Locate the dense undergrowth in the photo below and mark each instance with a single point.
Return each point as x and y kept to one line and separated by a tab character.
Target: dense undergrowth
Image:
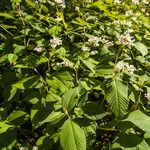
74	75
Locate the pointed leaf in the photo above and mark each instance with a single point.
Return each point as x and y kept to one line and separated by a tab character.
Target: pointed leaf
116	96
72	137
140	120
70	98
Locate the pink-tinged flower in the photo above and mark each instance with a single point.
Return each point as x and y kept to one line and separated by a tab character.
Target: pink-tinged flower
55	42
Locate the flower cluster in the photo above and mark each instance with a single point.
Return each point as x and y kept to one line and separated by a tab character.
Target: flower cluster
126	40
60	3
94	40
55	42
39	49
122	66
65	63
85	48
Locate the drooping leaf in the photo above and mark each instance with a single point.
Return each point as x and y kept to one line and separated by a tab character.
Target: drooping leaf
141	48
72	137
70	98
116	96
140	120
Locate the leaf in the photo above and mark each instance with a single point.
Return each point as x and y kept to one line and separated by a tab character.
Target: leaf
61	81
90	63
70	98
93	111
18	117
100	5
53	118
25	83
116	96
3	58
12	58
4	127
44	142
80	22
6	15
141	48
72	137
127	140
140	120
30	3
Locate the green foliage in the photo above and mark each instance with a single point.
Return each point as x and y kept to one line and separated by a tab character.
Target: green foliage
74	74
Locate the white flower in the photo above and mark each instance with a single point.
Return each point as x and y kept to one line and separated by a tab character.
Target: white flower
39	49
55	42
127	57
147	95
129	23
59	1
109	44
85	49
143	10
77	8
136	2
36	2
130	68
145	1
51	3
117	1
126	40
58	19
94	40
34	148
147	14
120	66
137	14
88	1
128	13
94	52
65	63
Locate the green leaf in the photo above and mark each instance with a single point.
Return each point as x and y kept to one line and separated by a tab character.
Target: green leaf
90	64
93	111
6	15
18	117
30	3
4	127
29	82
127	141
45	143
116	96
140	120
70	98
12	58
3	58
53	118
100	5
72	137
61	81
141	48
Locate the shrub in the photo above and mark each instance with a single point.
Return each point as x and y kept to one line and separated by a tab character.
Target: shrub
74	74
